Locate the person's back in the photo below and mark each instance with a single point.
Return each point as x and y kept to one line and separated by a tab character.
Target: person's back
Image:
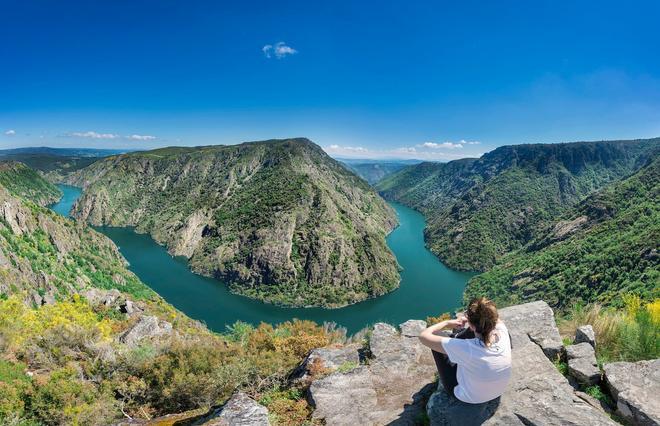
483	372
475	363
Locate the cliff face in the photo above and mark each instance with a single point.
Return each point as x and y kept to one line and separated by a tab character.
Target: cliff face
278	220
20	180
46	257
604	247
481	209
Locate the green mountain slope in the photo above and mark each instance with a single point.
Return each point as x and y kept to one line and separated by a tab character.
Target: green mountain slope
22	181
278	220
603	248
480	209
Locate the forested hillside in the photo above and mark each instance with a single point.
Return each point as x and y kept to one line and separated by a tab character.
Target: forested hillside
277	220
480	209
603	248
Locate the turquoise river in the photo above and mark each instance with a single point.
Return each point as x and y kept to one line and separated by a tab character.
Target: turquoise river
427	286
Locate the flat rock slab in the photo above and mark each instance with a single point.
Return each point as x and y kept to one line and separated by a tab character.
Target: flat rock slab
636	389
392	389
537	395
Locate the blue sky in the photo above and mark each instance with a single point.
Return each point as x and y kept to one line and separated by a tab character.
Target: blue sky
432	80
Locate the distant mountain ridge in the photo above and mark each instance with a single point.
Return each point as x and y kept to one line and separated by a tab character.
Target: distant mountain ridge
278	220
374	171
480	209
55	164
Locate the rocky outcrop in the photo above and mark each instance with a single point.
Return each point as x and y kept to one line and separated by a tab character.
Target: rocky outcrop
326	360
537	394
636	388
582	364
586	334
240	410
147	327
534	321
391	389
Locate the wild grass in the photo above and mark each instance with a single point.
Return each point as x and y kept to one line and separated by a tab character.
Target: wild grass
628	334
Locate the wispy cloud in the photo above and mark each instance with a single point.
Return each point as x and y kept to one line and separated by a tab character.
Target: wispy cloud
448	145
443	145
92	135
97	135
433	151
10	132
141	137
279	50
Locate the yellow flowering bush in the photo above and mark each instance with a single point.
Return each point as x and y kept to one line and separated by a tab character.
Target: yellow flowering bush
19	323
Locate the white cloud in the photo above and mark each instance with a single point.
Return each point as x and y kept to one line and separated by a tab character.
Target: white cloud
443	145
10	132
279	50
141	137
97	135
93	135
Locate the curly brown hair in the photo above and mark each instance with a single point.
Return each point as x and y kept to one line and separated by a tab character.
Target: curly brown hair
482	314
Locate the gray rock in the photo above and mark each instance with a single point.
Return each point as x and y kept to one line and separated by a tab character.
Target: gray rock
240	410
584	370
582	363
537	394
581	350
412	328
636	388
328	359
392	389
586	334
146	327
97	297
533	321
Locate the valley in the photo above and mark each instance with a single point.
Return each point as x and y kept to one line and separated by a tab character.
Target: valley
279	220
427	287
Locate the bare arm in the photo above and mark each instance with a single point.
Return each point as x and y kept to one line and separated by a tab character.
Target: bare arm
431	337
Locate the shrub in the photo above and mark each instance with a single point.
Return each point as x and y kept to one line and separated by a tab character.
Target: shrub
628	334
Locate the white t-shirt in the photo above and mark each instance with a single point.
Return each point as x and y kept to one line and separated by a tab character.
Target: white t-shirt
483	371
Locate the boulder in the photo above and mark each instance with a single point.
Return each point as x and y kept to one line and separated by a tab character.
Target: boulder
582	363
97	297
533	321
537	394
327	360
391	389
585	334
145	327
412	328
635	386
240	410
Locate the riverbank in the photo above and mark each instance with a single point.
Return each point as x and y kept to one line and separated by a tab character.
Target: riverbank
427	286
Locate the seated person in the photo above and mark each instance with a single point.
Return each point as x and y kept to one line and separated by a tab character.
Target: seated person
474	364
